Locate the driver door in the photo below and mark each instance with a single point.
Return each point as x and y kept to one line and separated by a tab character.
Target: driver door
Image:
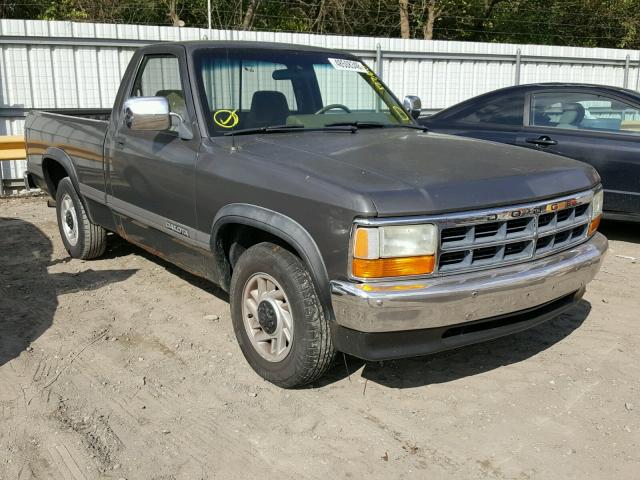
152	173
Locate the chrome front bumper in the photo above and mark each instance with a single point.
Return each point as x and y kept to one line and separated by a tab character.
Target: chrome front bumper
461	298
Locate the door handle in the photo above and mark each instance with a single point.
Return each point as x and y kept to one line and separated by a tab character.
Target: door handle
120	141
543	141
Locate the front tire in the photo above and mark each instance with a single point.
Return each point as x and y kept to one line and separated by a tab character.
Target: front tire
278	318
81	238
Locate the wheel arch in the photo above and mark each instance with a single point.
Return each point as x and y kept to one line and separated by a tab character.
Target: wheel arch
279	226
52	160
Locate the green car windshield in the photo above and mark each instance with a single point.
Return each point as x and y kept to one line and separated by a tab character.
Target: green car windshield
244	89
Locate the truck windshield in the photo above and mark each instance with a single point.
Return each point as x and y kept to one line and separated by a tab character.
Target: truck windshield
244	89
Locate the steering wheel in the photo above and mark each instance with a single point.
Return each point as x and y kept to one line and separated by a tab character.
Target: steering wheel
331	107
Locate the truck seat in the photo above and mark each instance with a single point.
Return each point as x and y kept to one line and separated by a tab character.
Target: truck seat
268	107
176	101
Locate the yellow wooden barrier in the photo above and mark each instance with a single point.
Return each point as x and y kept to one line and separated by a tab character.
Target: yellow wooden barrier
631	125
12	148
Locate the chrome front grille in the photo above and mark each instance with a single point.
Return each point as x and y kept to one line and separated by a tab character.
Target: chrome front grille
502	236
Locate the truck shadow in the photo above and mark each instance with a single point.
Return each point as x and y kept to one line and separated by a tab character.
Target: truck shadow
28	292
619	230
466	361
119	247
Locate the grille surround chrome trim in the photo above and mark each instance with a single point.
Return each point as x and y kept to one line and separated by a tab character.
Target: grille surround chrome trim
498	214
402	304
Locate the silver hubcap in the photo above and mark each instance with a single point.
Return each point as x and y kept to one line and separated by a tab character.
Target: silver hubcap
68	220
267	317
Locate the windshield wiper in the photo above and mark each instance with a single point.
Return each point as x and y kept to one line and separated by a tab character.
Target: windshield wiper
413	126
287	128
377	125
269	128
357	124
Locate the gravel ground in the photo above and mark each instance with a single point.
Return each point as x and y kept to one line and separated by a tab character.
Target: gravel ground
126	367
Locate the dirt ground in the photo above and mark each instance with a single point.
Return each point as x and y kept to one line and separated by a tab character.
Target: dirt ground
126	367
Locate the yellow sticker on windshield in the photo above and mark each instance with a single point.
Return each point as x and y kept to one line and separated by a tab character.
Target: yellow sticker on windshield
226	118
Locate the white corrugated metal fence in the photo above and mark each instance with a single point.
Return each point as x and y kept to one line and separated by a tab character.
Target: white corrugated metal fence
46	64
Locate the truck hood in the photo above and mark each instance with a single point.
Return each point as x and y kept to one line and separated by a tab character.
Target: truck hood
407	172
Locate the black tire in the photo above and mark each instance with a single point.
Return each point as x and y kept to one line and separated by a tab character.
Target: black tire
311	351
91	238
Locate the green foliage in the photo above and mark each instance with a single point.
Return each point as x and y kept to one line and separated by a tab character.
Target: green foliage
592	23
63	9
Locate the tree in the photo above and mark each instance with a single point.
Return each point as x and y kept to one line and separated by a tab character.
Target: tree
589	23
405	26
434	9
247	23
172	13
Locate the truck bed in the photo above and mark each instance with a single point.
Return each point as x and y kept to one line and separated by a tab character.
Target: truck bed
79	139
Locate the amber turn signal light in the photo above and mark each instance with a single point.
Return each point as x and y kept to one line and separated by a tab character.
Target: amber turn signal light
361	244
393	267
595	223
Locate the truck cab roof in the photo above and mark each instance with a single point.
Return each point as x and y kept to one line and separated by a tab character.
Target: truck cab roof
191	45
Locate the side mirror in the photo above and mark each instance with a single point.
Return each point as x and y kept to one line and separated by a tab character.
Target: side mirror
147	113
413	105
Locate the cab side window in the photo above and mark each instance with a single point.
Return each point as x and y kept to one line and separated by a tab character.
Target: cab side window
159	76
584	111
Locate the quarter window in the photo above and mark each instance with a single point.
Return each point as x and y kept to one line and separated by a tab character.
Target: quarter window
584	111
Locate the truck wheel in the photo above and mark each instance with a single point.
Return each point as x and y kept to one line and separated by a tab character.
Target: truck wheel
81	238
277	317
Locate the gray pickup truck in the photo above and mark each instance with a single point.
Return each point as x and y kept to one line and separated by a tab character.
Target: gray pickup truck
295	180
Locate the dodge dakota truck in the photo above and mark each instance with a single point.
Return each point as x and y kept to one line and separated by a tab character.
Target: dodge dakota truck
294	179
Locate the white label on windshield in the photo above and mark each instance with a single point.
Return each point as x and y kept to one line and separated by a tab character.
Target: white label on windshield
345	64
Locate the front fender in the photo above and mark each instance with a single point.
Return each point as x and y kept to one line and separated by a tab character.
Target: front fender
282	227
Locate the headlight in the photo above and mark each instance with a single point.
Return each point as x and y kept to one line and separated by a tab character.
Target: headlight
399	250
407	241
596	204
596	211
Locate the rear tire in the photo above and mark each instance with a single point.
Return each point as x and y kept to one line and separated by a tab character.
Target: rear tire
278	318
81	238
